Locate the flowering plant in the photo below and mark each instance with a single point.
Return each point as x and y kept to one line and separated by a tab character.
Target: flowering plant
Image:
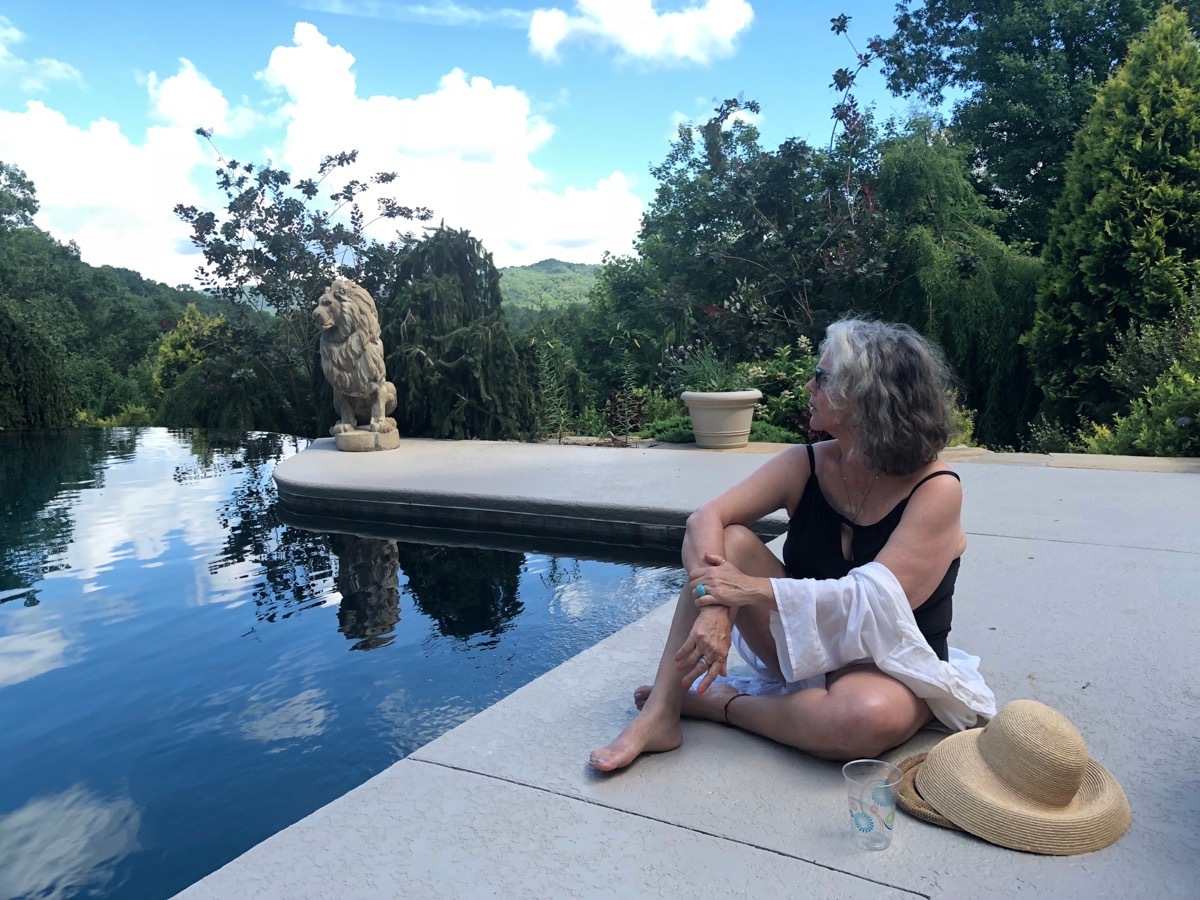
697	367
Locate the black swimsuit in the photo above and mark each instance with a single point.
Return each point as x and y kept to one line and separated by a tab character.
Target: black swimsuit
813	549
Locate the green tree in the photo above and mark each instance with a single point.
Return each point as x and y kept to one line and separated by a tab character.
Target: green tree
1165	419
34	388
759	244
271	252
955	281
194	339
103	331
1124	248
1029	69
18	198
456	371
632	317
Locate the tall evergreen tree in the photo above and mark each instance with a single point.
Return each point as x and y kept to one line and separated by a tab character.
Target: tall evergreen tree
449	352
1124	246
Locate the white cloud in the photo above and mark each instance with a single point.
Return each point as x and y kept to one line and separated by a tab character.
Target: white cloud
113	197
190	100
31	76
293	718
463	150
445	12
27	655
698	33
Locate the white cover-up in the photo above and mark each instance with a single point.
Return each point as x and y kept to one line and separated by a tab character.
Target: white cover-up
826	624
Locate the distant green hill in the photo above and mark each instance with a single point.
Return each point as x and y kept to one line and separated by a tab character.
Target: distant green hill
546	285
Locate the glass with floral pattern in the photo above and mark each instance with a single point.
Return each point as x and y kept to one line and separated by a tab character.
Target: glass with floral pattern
871	791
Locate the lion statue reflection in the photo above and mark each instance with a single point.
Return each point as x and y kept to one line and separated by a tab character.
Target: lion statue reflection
352	359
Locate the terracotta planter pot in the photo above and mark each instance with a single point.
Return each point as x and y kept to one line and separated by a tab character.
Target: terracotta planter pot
721	419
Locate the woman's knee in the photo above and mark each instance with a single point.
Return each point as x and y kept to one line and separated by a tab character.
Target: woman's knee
871	725
746	550
740	538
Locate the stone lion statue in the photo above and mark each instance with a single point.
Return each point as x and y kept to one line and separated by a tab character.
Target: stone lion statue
352	359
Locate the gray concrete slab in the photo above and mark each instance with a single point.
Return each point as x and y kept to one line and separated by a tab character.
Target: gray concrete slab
1078	589
1084	506
421	829
1105	672
620	495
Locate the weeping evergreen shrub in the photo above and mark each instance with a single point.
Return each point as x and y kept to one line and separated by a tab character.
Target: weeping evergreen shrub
225	393
449	352
955	281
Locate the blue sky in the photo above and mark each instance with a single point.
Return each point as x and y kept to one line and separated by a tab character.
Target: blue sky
532	125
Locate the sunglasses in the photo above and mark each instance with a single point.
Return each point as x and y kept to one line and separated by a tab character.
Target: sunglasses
820	376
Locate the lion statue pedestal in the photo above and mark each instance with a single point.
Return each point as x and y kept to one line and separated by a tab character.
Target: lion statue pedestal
352	360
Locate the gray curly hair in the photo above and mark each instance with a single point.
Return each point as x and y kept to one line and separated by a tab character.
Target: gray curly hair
895	390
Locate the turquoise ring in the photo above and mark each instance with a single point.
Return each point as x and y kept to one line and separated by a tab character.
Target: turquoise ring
701	590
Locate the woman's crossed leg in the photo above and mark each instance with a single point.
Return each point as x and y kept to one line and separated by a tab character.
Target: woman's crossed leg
861	711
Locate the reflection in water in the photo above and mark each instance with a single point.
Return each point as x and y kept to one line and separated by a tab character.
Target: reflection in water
301	716
174	670
293	565
368	580
22	656
38	520
465	590
56	844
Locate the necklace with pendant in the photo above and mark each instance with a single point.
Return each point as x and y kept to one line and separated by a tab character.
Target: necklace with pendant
849	502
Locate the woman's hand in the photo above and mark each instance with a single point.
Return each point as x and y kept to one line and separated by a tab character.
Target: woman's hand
706	650
720	583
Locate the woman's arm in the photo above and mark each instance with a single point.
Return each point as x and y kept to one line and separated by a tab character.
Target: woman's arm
929	537
778	484
920	550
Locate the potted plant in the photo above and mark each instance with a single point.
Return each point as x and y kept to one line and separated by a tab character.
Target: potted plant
720	397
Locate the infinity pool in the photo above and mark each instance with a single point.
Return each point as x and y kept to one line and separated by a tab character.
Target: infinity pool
181	675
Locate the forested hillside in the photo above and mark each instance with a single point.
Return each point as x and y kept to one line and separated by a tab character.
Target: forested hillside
544	287
78	343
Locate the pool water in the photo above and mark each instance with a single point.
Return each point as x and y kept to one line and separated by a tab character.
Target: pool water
181	675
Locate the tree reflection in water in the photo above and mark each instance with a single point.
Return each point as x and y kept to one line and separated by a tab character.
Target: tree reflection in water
295	565
465	590
42	473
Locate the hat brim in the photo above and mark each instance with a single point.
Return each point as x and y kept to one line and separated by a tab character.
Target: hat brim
909	799
956	782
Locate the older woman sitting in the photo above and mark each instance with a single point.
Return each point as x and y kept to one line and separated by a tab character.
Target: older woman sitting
876	493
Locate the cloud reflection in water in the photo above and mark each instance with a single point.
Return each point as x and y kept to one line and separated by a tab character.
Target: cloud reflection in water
59	842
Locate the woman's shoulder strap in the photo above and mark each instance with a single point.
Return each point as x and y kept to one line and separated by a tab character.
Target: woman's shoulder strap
812	459
933	475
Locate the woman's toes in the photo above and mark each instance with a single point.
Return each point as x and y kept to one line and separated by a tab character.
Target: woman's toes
641	695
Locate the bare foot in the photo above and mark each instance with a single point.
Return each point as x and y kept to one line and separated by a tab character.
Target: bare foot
709	705
647	733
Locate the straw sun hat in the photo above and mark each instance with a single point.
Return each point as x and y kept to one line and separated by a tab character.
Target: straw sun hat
1023	781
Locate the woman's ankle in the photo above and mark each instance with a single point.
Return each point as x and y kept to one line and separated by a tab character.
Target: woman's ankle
725	709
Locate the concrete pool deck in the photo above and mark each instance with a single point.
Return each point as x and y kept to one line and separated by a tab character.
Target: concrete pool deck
1079	589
